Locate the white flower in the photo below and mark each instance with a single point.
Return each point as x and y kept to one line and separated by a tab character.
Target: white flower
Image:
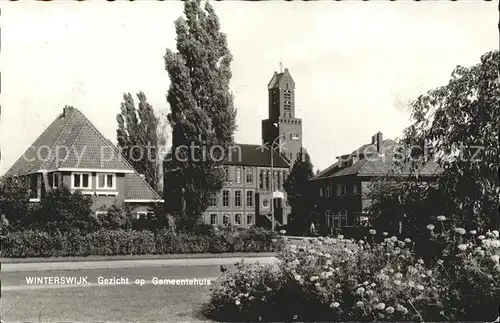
297	277
420	287
486	243
282	231
361	242
237	302
372	231
335	304
384	233
495	244
462	247
495	232
460	231
481	237
473	232
495	258
359	304
313	278
430	227
420	261
340	237
397	282
394	238
373	284
398	275
389	310
360	291
407	240
380	306
441	218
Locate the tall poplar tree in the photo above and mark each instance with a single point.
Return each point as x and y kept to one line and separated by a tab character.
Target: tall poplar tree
202	113
138	137
300	193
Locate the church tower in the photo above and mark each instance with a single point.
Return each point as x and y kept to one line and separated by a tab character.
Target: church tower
282	122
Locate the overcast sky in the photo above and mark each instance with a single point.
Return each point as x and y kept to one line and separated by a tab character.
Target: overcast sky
351	61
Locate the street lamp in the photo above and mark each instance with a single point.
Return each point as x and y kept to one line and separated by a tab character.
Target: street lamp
295	137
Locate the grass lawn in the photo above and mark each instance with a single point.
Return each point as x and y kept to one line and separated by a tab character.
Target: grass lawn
117	303
107	303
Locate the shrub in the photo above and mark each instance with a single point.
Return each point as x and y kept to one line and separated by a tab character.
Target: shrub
384	280
57	243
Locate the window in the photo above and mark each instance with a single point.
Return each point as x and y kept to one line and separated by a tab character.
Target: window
237	219
267	180
341	189
238	175
106	181
328	190
81	180
321	191
141	214
225	219
101	212
225	198
278	177
237	198
226	169
328	215
213	219
261	180
249	219
355	188
249	177
249	198
54	180
340	219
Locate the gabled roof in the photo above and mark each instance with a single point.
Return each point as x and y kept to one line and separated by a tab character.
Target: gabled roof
277	77
255	155
136	188
71	141
371	164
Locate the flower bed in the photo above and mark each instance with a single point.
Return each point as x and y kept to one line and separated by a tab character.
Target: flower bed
122	242
325	281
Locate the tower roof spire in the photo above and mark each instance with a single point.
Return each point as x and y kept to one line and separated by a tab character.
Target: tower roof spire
281	66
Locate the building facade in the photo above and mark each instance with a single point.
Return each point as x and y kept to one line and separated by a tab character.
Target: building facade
245	200
72	152
254	181
344	187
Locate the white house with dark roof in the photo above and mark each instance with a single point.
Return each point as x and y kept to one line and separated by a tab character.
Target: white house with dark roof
72	152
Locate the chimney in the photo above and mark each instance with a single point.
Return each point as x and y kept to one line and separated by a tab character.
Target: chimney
374	140
66	109
380	143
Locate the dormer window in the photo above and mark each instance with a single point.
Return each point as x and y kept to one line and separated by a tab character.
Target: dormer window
106	181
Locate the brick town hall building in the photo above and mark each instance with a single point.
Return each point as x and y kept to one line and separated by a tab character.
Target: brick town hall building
246	197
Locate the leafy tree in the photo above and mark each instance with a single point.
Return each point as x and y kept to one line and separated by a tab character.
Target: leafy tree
300	194
62	210
461	122
201	115
116	217
139	137
14	202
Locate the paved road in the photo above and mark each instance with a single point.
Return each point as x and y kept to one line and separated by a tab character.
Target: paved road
136	263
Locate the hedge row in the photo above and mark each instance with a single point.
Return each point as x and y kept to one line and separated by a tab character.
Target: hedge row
121	242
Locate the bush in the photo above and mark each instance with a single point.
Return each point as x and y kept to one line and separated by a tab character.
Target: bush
377	281
37	243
